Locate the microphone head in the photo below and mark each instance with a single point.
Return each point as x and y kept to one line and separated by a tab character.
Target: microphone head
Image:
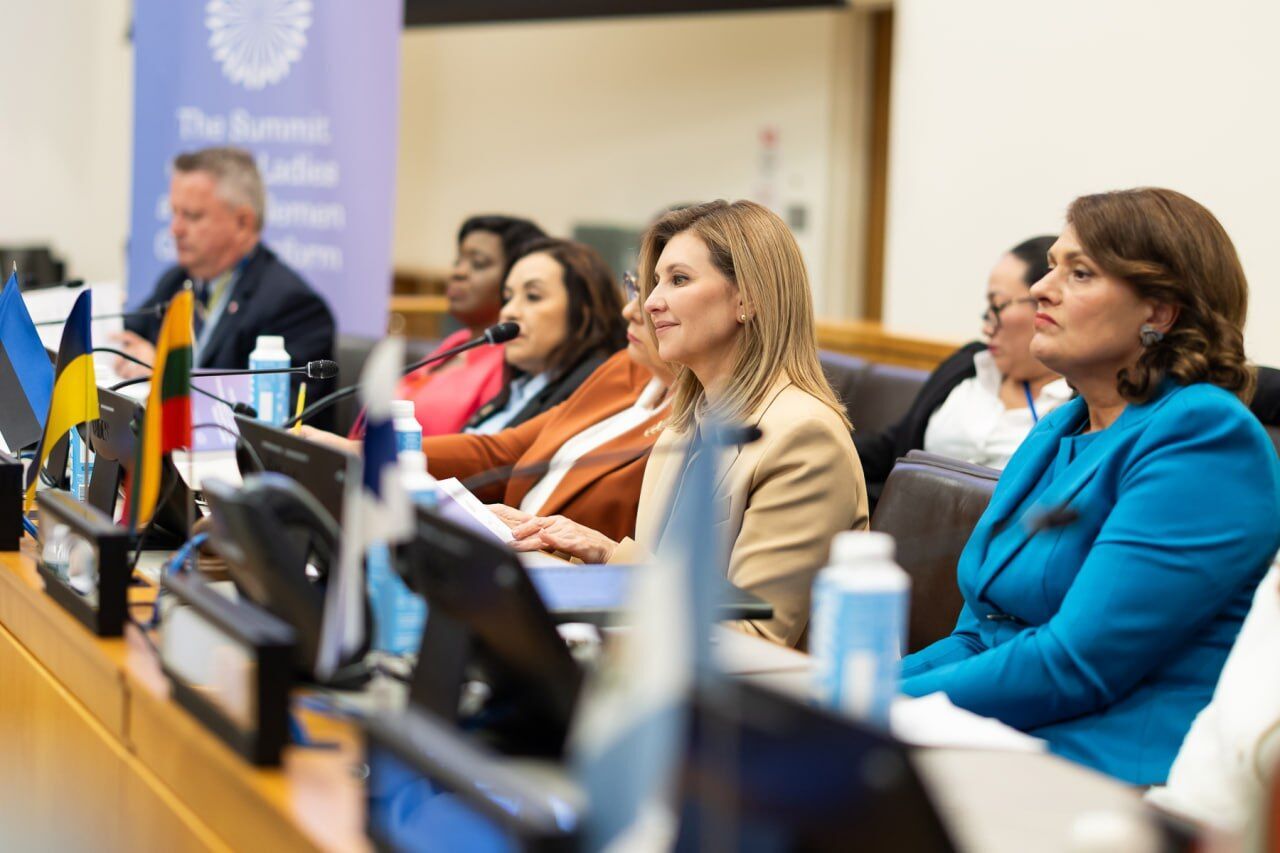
500	333
322	369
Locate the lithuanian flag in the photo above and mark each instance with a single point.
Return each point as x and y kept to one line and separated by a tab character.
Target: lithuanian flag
75	388
166	423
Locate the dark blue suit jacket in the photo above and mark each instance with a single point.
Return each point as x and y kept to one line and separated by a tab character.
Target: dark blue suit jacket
1106	635
268	298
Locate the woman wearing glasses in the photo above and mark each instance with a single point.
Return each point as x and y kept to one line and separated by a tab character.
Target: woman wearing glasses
983	400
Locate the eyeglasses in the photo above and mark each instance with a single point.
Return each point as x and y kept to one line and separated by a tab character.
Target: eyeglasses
631	284
991	317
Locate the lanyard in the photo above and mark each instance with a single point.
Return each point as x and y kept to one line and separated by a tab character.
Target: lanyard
1031	404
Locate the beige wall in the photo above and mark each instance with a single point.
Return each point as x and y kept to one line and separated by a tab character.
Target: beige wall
610	121
66	109
1005	110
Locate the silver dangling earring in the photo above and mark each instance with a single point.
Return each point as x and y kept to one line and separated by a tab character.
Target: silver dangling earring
1150	335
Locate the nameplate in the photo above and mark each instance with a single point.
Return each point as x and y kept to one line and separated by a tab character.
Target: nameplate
230	664
84	562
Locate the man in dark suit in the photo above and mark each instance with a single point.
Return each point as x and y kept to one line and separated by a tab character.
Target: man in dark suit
242	289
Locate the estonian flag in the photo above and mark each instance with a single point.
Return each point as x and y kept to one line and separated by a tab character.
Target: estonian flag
75	388
26	376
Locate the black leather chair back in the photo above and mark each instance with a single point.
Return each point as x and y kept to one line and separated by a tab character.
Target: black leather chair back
930	506
874	395
844	374
1266	402
884	395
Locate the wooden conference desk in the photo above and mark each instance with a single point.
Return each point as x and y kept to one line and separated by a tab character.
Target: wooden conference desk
94	755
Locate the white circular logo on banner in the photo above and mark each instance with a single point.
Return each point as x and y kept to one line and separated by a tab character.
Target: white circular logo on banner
257	40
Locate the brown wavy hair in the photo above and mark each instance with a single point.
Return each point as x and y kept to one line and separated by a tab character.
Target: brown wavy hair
1172	250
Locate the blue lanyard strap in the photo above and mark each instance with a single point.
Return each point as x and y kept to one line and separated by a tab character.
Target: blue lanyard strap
1031	404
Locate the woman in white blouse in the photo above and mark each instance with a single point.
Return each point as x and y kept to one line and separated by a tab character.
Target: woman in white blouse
981	402
1225	768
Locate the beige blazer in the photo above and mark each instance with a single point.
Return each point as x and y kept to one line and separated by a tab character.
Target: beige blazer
779	500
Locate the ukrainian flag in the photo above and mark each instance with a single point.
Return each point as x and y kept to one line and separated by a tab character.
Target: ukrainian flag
75	388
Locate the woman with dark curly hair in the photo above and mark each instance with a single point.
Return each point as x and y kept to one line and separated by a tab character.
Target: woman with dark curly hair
1111	572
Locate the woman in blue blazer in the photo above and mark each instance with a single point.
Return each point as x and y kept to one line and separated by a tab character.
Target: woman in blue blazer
1111	572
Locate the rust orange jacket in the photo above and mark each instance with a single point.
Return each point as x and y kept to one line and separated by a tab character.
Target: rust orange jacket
603	494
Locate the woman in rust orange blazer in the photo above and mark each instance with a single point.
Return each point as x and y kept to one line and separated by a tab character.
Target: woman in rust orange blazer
587	455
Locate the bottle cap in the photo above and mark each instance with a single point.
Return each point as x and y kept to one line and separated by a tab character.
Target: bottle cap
412	461
853	546
270	342
402	409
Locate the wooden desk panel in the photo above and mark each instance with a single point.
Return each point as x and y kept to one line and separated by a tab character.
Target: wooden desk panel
67	783
95	756
90	667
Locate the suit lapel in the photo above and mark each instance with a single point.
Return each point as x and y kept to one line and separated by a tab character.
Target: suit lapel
1040	452
729	456
660	474
622	391
241	292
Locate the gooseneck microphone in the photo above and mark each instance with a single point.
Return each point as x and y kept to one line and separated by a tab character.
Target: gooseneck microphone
156	311
319	369
239	408
499	333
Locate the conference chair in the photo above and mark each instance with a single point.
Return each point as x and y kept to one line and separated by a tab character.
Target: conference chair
884	395
930	505
1266	402
844	373
353	350
874	395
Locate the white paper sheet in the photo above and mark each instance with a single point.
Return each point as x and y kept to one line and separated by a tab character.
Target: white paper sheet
933	721
474	508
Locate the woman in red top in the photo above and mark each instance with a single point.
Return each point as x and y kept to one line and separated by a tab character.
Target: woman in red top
446	395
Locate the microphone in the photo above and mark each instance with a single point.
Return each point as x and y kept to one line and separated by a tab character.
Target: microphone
239	408
499	333
319	369
156	311
721	435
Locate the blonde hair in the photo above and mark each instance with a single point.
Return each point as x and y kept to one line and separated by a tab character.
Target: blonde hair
754	250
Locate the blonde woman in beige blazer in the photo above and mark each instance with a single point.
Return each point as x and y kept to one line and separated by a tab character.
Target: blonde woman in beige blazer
727	299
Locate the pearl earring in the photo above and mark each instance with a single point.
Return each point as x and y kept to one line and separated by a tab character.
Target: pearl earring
1150	335
742	318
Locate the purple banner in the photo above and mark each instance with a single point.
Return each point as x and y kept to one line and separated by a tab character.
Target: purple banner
311	87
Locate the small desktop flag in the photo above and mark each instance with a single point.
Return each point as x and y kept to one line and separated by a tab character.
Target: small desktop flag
75	388
376	509
26	375
166	423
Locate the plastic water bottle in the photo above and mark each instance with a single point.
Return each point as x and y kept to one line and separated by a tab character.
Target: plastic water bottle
405	421
80	460
859	626
399	614
423	489
270	391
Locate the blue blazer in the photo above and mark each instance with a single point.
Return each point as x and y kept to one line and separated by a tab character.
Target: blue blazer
1105	634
